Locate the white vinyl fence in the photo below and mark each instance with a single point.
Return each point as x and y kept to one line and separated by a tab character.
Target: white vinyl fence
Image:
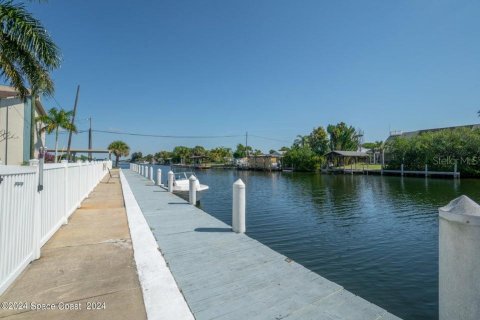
33	206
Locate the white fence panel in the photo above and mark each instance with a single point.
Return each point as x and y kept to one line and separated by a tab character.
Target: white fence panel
30	216
17	194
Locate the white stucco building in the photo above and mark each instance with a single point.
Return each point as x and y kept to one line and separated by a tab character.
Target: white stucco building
15	115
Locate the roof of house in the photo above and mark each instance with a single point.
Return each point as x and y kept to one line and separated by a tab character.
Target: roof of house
410	134
11	92
355	154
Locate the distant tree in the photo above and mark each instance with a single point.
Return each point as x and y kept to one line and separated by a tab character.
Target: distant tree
136	156
301	141
301	158
219	154
163	156
149	158
181	154
343	137
284	149
318	141
257	152
198	151
53	121
119	149
242	151
272	151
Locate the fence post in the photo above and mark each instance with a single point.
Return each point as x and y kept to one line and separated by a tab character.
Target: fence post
455	169
459	260
159	177
65	189
37	212
238	207
171	176
401	169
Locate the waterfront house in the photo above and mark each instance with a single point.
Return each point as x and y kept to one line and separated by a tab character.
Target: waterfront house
15	124
410	134
266	162
340	158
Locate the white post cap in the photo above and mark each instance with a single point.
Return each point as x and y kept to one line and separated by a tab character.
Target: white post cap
239	184
462	209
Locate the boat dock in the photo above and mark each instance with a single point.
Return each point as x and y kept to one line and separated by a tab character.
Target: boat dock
227	275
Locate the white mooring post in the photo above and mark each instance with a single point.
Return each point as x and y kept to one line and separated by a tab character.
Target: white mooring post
171	176
459	260
159	177
192	190
151	173
238	207
141	170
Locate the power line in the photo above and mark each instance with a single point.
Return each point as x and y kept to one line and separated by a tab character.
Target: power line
267	138
166	136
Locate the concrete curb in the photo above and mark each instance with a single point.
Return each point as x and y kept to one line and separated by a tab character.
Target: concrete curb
161	295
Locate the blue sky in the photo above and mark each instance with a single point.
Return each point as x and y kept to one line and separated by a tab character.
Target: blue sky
273	68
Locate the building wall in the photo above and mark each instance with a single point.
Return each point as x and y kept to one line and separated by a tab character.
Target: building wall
18	146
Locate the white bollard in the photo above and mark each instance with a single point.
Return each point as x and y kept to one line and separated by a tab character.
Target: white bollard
459	260
151	173
141	170
238	207
192	190
171	176
159	177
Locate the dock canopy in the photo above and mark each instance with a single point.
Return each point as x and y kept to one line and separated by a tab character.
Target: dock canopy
342	158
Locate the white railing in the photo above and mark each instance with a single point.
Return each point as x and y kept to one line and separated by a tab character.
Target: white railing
32	210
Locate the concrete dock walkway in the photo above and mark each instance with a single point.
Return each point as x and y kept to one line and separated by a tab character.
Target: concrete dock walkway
224	275
89	261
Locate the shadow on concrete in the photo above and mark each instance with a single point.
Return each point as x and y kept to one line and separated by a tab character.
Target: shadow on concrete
178	203
213	229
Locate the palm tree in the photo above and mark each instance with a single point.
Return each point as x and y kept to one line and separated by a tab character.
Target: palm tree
119	149
53	121
27	53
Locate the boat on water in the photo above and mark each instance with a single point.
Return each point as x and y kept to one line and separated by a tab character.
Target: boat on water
181	185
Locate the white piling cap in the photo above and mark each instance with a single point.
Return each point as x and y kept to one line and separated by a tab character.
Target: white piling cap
239	184
192	178
170	172
462	210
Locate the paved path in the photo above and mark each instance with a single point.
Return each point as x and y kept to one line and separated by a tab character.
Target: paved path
90	259
224	275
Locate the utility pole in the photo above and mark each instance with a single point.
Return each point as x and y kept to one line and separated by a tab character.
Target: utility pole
246	143
90	140
73	122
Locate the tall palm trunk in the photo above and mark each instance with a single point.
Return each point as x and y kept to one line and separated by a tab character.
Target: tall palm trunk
116	160
56	145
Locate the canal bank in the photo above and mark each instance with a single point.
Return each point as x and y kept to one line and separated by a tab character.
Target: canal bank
226	275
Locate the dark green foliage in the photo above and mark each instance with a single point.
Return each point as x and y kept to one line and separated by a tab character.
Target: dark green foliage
438	149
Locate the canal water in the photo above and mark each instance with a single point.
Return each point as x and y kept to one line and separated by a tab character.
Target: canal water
376	236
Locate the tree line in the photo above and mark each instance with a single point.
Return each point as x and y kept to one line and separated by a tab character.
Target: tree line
439	149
